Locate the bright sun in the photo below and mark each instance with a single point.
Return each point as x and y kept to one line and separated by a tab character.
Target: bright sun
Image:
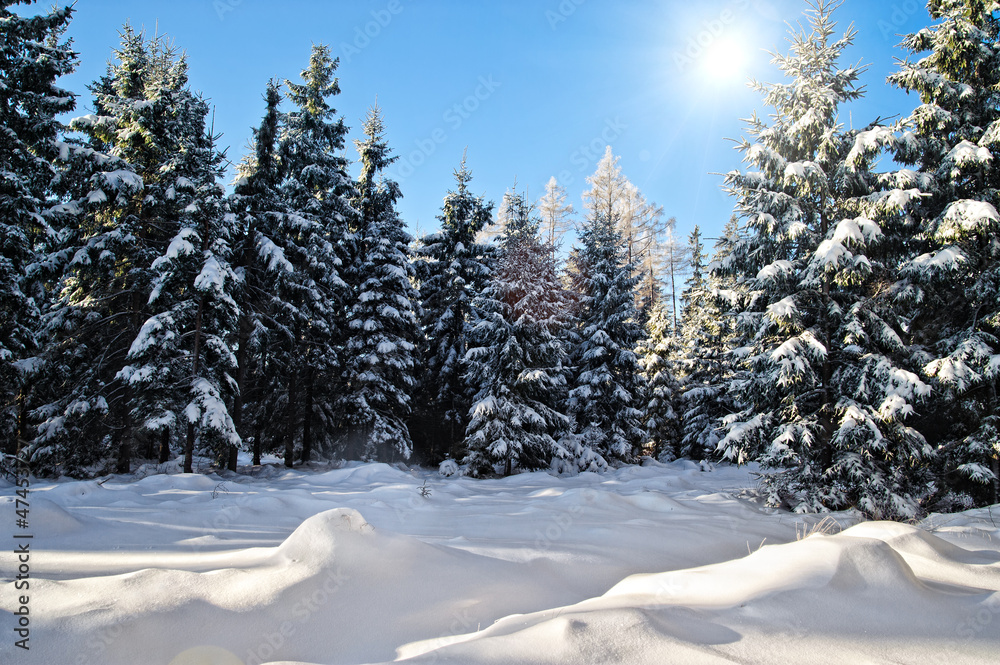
724	60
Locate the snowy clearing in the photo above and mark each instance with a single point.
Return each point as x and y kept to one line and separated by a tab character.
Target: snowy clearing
652	564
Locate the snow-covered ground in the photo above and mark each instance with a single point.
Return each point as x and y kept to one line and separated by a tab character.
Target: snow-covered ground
654	564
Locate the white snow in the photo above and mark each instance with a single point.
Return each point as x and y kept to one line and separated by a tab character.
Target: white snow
774	271
949	258
968	215
968	154
869	141
273	255
856	232
652	564
899	199
831	254
212	277
123	179
783	310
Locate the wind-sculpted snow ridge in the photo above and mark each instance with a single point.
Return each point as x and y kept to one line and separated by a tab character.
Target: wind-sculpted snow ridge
878	592
653	564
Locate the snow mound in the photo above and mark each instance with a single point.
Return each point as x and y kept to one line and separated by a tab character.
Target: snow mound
317	539
858	596
53	516
648	564
846	563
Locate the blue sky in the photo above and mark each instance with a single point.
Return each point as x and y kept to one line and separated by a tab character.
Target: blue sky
532	88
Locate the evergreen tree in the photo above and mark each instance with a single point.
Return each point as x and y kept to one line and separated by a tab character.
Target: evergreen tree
675	261
454	268
827	390
608	385
700	363
31	61
657	355
308	324
950	287
517	361
180	365
383	319
259	264
112	261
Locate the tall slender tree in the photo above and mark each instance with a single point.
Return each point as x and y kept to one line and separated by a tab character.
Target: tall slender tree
383	323
658	356
606	394
31	61
701	365
453	269
259	263
555	213
318	238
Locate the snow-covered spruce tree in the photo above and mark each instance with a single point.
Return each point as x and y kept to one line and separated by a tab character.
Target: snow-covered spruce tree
453	268
657	356
146	116
517	363
950	289
259	264
180	365
182	357
382	322
309	323
608	385
31	60
700	361
827	392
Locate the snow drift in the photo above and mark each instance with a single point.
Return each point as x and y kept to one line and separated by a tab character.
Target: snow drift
659	564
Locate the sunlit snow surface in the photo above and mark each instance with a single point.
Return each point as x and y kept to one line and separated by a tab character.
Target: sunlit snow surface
654	564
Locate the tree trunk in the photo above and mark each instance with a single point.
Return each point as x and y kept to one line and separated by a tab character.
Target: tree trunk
189	449
293	398
164	445
195	375
673	290
232	465
996	479
21	440
242	359
826	410
256	444
307	416
124	464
